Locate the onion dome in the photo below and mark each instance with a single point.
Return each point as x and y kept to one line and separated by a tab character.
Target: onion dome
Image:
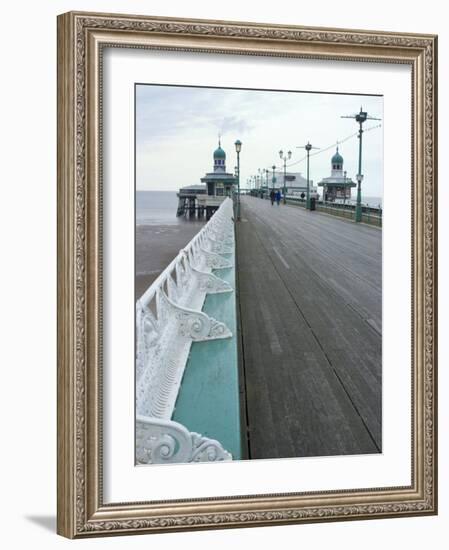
219	153
337	158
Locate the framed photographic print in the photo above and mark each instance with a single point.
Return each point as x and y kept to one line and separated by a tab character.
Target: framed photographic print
246	274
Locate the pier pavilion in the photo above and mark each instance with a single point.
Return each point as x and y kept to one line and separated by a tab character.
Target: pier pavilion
337	186
295	184
219	183
214	188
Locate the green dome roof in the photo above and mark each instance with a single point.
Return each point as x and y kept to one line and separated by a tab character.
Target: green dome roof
219	153
337	158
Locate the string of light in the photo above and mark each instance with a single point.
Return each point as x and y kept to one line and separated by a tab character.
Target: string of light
339	142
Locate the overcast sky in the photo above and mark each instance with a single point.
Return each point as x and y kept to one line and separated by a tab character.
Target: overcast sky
177	131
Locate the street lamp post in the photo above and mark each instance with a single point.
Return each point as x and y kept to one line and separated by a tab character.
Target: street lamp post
258	183
284	158
358	206
238	148
273	179
308	148
360	117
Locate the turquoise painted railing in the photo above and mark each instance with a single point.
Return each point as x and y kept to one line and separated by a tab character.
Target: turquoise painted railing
169	318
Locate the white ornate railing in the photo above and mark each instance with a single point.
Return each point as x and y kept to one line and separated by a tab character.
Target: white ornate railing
168	442
169	318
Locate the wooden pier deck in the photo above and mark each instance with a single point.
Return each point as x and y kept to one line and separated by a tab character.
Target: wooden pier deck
310	306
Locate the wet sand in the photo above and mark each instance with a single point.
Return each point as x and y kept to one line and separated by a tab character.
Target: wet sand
156	246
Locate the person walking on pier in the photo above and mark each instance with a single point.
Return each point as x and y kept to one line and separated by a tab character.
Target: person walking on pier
272	196
278	197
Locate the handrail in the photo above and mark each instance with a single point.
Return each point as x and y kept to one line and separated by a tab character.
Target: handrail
169	318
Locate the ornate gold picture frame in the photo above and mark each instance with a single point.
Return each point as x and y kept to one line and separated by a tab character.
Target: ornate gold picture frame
82	41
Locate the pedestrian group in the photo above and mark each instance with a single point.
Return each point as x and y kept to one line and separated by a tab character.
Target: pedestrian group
275	196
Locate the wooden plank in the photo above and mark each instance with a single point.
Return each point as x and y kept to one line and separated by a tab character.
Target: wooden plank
310	300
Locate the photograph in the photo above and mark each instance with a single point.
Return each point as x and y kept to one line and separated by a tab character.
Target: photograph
258	273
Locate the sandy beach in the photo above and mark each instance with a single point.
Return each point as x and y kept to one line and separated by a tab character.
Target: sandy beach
156	246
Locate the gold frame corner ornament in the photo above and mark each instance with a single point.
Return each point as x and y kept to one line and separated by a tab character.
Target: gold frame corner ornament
81	37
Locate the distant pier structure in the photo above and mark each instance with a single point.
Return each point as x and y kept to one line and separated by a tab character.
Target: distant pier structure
337	186
214	188
189	202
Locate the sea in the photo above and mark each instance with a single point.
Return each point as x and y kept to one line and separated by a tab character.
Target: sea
160	234
157	208
374	202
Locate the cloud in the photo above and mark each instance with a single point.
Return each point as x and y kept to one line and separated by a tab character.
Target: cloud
233	124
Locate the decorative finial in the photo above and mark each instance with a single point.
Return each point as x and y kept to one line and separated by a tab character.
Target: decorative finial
219	140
